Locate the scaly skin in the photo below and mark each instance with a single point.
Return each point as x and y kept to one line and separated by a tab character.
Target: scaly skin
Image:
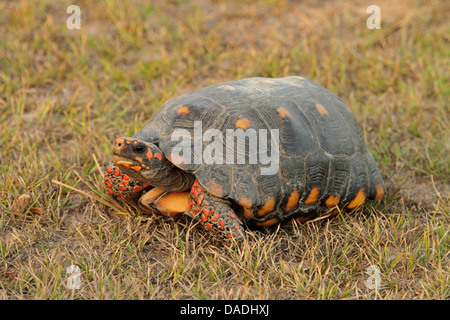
215	214
121	186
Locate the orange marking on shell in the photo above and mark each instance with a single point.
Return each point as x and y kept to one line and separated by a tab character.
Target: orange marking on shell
358	200
243	123
312	197
283	112
267	207
380	192
183	110
137	168
246	202
215	189
292	201
321	109
267	223
332	201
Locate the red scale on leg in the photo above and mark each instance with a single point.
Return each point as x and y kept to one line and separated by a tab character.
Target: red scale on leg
122	186
217	215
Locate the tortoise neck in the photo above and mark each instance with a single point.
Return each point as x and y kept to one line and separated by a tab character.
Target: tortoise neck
171	178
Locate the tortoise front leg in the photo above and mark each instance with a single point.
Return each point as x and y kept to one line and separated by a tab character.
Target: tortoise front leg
215	214
121	186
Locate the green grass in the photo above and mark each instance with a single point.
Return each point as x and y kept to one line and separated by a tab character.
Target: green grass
66	94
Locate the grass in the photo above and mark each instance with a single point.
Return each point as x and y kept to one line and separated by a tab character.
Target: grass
66	94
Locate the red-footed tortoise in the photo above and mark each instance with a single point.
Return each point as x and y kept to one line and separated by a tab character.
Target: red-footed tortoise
184	160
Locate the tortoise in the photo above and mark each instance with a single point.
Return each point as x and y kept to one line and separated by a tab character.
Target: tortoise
176	164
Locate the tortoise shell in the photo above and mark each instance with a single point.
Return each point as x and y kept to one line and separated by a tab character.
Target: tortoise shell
323	161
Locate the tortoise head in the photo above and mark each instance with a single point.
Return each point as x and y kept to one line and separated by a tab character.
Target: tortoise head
138	159
145	162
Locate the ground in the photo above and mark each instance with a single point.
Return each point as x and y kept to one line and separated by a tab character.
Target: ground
65	95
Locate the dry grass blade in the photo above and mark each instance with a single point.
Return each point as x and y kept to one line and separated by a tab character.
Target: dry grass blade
93	197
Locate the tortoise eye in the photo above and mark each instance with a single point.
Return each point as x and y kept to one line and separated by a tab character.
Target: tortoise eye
139	149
